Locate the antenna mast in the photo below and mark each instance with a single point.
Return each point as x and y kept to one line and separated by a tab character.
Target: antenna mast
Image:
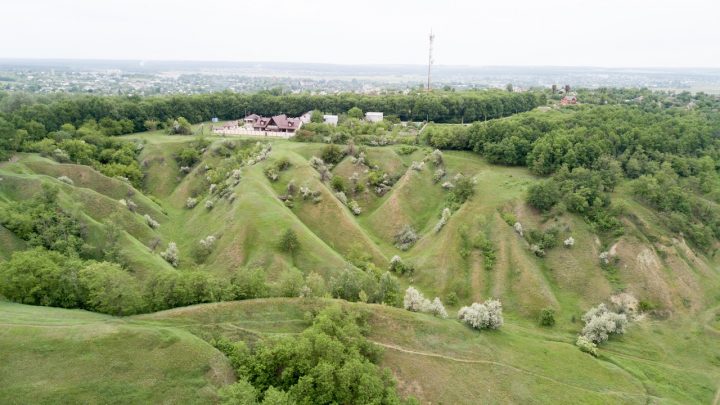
430	58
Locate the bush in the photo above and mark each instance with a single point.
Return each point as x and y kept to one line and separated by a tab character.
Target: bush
601	323
209	204
66	180
487	315
398	266
41	277
110	289
332	154
543	195
290	283
151	222
338	184
406	237
547	317
191	202
314	286
415	302
355	207
586	345
248	283
444	218
289	242
205	247
171	254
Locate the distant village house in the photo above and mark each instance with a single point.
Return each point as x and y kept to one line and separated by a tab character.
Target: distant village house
278	125
374	116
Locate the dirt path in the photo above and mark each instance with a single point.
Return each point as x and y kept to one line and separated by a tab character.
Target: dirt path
505	365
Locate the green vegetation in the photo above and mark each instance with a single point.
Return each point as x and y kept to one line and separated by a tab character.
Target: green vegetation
630	191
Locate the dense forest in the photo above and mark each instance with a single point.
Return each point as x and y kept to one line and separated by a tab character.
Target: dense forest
670	153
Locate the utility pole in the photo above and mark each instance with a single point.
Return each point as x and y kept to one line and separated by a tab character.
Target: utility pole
430	58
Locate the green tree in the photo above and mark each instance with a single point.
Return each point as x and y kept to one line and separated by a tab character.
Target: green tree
356	113
289	242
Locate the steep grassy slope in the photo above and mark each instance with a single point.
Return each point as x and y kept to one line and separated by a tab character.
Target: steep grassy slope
68	356
438	361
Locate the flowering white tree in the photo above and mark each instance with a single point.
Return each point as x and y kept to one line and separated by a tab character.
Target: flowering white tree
569	242
600	323
171	254
487	315
443	220
66	180
151	222
518	228
437	308
355	207
191	202
414	300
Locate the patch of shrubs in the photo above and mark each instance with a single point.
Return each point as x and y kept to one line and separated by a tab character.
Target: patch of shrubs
547	317
415	302
406	238
330	362
398	266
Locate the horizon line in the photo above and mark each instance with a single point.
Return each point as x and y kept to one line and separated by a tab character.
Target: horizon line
196	61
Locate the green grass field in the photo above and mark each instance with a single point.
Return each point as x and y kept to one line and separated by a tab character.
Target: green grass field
673	357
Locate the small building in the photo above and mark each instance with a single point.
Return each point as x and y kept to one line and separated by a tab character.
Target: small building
277	123
330	119
250	119
569	100
215	119
305	118
374	116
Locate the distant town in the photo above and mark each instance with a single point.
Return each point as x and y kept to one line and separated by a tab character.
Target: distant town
153	78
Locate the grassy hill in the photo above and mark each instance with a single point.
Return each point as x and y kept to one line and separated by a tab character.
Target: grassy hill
164	356
671	356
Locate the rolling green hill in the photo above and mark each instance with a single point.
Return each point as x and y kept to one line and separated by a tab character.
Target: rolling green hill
670	355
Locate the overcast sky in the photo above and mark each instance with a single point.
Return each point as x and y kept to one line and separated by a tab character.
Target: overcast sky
611	33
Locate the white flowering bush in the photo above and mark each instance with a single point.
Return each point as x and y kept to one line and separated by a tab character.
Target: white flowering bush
151	222
417	166
601	323
569	242
355	207
398	266
342	197
129	204
444	218
415	302
66	180
171	254
604	258
438	175
586	345
209	204
487	315
448	185
191	202
437	308
518	228
213	188
185	169
406	238
316	162
436	157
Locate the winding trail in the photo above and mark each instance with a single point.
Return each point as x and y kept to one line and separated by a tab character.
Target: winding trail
508	366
